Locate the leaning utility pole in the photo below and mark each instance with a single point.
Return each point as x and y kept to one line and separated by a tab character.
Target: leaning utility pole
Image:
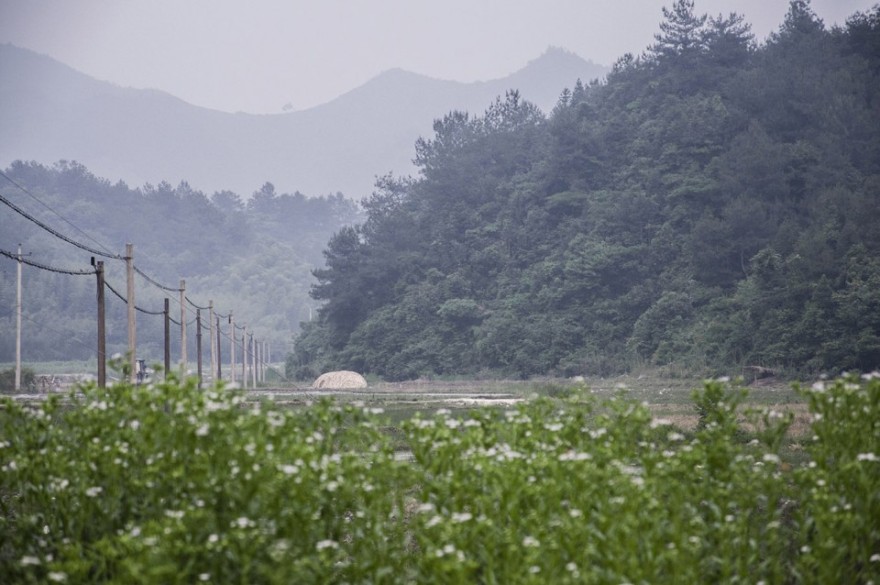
132	321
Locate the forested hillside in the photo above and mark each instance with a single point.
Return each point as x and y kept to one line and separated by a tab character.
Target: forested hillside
713	204
253	258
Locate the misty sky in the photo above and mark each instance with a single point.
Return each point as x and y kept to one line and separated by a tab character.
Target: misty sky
258	55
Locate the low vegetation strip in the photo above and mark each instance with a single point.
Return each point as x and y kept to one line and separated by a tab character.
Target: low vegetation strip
168	484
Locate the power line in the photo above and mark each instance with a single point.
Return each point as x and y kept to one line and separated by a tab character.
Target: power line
125	300
195	306
15	257
106	253
153	282
79	245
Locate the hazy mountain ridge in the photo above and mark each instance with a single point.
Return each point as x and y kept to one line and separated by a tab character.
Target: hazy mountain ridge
52	112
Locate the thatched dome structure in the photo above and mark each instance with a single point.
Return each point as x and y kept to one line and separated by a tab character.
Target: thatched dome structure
341	380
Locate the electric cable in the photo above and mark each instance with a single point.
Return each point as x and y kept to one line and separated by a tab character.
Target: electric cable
23	260
105	254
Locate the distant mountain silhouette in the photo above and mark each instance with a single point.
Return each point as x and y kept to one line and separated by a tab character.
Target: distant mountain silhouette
50	112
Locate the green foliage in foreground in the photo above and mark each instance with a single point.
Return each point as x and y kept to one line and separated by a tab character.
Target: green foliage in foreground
167	484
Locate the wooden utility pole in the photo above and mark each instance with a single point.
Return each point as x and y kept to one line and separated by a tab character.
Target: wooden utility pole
182	329
219	355
102	332
211	343
244	358
254	363
132	321
167	337
231	348
199	345
18	325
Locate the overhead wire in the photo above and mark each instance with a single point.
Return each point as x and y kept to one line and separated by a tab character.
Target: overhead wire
41	266
195	305
105	253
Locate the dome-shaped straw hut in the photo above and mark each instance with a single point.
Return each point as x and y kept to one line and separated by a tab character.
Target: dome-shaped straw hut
341	380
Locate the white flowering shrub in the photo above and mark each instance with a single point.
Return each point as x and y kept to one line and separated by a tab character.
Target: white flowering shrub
168	484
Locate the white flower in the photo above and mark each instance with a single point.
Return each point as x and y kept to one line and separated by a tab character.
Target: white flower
675	436
531	541
57	576
28	560
202	431
322	544
571	567
875	558
426	507
660	422
204	576
288	469
213	538
461	517
534	569
554	427
575	456
93	492
770	458
867	457
242	522
176	514
575	513
434	521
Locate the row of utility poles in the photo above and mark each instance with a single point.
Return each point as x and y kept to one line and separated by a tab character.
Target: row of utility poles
255	354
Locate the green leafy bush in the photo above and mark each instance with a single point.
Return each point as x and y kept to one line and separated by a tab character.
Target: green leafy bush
167	484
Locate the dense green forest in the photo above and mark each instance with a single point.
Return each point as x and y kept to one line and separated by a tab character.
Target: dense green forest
712	204
252	257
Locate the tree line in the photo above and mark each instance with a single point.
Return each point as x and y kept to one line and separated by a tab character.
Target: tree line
254	256
712	204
